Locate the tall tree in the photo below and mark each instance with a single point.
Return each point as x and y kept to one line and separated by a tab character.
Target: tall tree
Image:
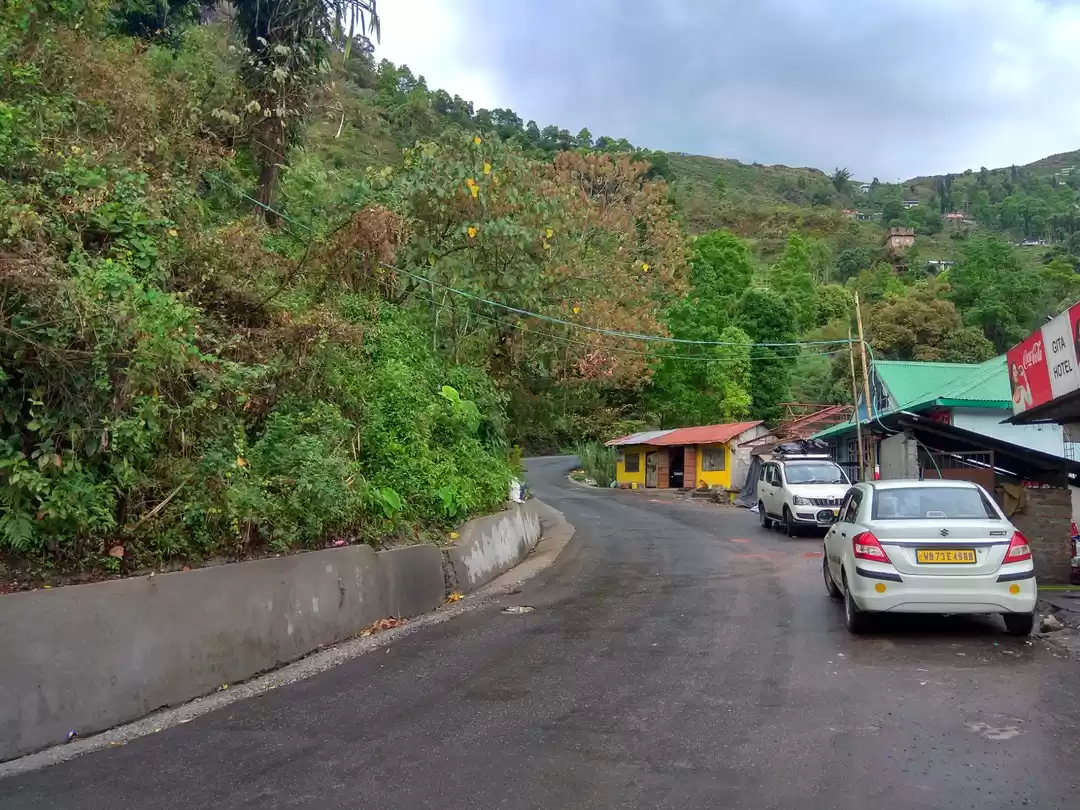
767	317
793	278
841	180
696	384
287	42
912	325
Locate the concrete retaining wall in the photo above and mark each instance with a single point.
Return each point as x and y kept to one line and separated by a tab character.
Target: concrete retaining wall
89	657
490	545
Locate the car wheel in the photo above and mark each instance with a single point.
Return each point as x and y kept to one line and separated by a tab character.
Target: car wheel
830	586
789	522
855	619
1019	624
766	521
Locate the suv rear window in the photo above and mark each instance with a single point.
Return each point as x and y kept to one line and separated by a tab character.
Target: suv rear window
936	503
814	472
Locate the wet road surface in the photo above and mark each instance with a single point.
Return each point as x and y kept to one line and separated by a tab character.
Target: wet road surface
679	656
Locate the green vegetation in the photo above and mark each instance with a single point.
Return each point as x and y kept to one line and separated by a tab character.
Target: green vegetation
259	293
597	461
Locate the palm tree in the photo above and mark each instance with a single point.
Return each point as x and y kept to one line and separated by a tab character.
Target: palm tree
841	180
286	42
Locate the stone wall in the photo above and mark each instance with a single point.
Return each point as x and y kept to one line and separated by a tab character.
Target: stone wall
490	545
89	657
1046	521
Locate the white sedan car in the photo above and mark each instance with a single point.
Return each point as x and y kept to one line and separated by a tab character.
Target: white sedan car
928	547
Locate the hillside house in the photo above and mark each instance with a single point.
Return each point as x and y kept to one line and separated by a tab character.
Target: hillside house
935	266
910	203
709	456
898	240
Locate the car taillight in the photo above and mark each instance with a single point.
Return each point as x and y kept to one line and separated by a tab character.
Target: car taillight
1018	551
866	547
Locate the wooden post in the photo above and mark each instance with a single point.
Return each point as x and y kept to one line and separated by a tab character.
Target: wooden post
871	455
855	399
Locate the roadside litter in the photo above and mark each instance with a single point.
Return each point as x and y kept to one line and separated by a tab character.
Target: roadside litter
382	624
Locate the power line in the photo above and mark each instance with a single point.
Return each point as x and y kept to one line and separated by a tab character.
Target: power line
729	357
548	318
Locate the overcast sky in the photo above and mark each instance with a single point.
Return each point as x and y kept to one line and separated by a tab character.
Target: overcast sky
892	88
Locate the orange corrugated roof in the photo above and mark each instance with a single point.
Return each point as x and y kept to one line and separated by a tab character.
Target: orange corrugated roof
706	434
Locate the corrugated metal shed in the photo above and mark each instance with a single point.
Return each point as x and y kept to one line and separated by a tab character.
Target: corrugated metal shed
706	434
917	386
916	383
644	437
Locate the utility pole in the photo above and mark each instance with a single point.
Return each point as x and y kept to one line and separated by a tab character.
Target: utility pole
866	388
855	399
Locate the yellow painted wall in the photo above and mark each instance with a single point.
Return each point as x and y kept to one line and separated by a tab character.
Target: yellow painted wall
714	478
622	476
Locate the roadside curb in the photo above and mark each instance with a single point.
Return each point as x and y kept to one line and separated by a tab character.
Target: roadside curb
557	533
583	485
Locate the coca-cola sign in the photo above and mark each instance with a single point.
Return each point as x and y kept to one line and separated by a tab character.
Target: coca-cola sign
1044	367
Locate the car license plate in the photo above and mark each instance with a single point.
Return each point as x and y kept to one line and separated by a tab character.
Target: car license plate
945	555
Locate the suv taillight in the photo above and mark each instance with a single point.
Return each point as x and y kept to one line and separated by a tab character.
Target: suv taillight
1018	550
866	547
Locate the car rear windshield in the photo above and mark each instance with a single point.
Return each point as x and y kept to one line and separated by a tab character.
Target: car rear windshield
936	503
814	473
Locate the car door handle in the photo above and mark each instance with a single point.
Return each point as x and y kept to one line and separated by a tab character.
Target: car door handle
843	534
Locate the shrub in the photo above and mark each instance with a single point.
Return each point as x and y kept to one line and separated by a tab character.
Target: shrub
598	462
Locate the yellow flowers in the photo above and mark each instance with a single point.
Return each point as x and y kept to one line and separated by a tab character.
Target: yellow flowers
475	191
577	310
546	245
173	233
477	140
644	267
487	168
241	461
548	232
472	231
454	535
454	597
431	259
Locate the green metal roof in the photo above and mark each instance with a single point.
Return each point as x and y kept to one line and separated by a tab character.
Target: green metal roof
915	386
835	429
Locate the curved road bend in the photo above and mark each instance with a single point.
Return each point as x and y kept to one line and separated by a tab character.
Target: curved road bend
678	657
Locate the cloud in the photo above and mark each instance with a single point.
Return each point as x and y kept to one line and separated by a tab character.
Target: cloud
893	88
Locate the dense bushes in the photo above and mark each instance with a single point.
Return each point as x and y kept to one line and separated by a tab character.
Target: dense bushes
175	382
597	461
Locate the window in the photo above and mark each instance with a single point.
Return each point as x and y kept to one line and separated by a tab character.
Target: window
850	512
714	459
632	463
814	472
768	474
932	503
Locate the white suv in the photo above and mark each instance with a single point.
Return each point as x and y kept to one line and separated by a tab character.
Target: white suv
800	493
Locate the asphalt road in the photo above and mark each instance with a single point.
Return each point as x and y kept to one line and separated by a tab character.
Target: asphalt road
678	657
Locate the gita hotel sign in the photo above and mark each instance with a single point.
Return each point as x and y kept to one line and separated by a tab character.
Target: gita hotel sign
1045	366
